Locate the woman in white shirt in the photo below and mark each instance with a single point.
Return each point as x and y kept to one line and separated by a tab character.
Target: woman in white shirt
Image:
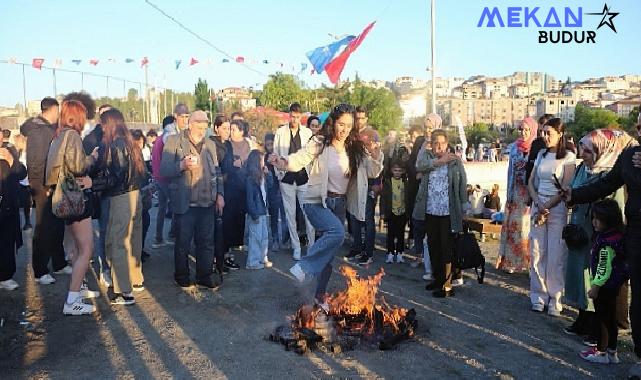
553	169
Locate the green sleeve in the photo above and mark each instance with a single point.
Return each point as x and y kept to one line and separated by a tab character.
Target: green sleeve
604	266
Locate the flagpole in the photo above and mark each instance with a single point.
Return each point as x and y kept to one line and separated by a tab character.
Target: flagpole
55	89
24	90
433	11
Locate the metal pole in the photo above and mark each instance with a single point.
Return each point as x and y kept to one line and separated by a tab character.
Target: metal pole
24	91
82	81
55	89
433	11
143	103
107	85
147	103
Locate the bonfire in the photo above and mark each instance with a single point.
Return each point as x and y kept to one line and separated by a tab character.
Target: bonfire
348	318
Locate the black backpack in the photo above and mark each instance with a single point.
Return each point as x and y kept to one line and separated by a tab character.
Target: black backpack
467	254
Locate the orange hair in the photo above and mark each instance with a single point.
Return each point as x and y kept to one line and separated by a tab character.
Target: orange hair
72	115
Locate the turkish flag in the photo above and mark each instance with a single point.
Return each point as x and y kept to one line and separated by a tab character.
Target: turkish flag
144	62
193	61
336	66
93	62
36	63
240	59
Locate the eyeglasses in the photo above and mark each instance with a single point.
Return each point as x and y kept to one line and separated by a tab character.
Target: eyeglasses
344	108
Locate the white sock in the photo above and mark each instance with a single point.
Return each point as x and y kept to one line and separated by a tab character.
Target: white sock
72	297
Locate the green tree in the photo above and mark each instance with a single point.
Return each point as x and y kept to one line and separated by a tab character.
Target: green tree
384	111
201	93
629	123
480	132
280	91
588	119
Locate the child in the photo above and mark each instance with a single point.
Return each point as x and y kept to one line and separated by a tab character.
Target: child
608	273
257	212
279	235
394	193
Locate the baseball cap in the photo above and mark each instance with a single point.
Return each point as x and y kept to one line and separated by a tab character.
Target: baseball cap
198	117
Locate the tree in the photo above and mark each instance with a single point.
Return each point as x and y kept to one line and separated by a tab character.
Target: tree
588	119
201	93
480	133
629	123
280	91
384	112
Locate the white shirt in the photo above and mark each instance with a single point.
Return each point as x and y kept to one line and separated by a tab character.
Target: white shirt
546	167
146	153
338	169
23	161
438	198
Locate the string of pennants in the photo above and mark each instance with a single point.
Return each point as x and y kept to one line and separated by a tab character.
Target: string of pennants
177	64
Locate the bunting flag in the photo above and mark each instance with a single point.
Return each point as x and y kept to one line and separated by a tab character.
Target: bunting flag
93	62
193	61
36	63
225	60
303	67
178	62
321	56
111	60
335	67
129	60
57	63
240	59
265	61
144	62
76	61
13	60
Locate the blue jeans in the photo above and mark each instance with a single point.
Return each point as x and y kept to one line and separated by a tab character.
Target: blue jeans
370	229
258	241
329	222
279	234
101	233
163	201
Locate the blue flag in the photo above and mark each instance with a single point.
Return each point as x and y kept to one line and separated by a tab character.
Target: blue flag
321	56
178	62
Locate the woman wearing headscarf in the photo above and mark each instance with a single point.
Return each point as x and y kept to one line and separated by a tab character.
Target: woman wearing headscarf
599	151
514	249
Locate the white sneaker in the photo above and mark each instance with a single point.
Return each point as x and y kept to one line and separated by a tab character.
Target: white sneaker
594	356
66	270
399	258
105	279
428	277
45	280
538	307
390	258
267	263
86	293
78	308
297	271
554	312
296	255
458	282
9	284
613	358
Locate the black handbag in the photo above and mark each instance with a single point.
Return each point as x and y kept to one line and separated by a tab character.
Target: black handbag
575	236
467	254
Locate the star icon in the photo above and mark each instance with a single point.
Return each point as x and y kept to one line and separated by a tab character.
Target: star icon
606	15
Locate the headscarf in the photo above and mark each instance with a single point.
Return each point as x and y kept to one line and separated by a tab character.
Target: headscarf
606	145
435	119
524	145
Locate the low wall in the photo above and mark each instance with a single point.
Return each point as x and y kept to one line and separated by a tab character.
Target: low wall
487	174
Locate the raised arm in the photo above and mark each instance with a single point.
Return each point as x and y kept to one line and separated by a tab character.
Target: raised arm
302	158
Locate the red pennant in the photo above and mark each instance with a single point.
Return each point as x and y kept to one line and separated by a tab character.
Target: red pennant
93	62
193	61
144	62
36	63
240	59
335	67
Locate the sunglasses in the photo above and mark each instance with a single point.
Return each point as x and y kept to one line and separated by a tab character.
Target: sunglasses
344	108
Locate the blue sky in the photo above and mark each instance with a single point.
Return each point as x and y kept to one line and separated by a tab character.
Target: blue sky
284	31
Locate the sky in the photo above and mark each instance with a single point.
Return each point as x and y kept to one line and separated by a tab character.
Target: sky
283	31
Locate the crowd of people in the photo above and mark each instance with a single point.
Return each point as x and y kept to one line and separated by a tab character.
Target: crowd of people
224	191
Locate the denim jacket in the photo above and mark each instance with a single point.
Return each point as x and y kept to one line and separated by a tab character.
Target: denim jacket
256	205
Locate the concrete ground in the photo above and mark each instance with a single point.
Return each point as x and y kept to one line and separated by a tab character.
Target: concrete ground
486	331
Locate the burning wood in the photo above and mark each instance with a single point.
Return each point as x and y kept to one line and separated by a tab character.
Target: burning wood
349	316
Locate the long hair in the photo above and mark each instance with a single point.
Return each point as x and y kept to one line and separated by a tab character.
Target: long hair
114	127
254	171
72	115
353	145
561	146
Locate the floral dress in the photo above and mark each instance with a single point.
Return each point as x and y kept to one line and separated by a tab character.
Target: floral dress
514	250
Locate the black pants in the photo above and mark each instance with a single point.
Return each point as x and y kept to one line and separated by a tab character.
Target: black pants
396	233
10	222
633	256
146	221
197	224
48	234
605	317
440	242
623	307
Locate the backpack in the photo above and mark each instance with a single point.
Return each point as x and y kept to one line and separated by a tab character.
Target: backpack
467	254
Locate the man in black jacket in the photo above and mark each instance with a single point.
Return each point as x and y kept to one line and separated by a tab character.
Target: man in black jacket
626	171
49	231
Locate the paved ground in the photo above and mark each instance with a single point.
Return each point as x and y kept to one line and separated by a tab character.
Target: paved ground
485	331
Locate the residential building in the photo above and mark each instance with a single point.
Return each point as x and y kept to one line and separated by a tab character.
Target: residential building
625	106
559	106
234	98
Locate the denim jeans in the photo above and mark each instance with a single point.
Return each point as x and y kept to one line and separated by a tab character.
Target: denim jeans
329	222
197	224
258	241
370	231
163	201
278	234
101	233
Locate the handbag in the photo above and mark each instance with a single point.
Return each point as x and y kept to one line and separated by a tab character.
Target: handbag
68	200
575	236
467	254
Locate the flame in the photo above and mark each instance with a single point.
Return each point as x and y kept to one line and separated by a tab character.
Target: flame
357	300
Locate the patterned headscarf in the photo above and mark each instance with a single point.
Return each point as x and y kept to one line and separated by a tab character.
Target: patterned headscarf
435	119
524	145
605	146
